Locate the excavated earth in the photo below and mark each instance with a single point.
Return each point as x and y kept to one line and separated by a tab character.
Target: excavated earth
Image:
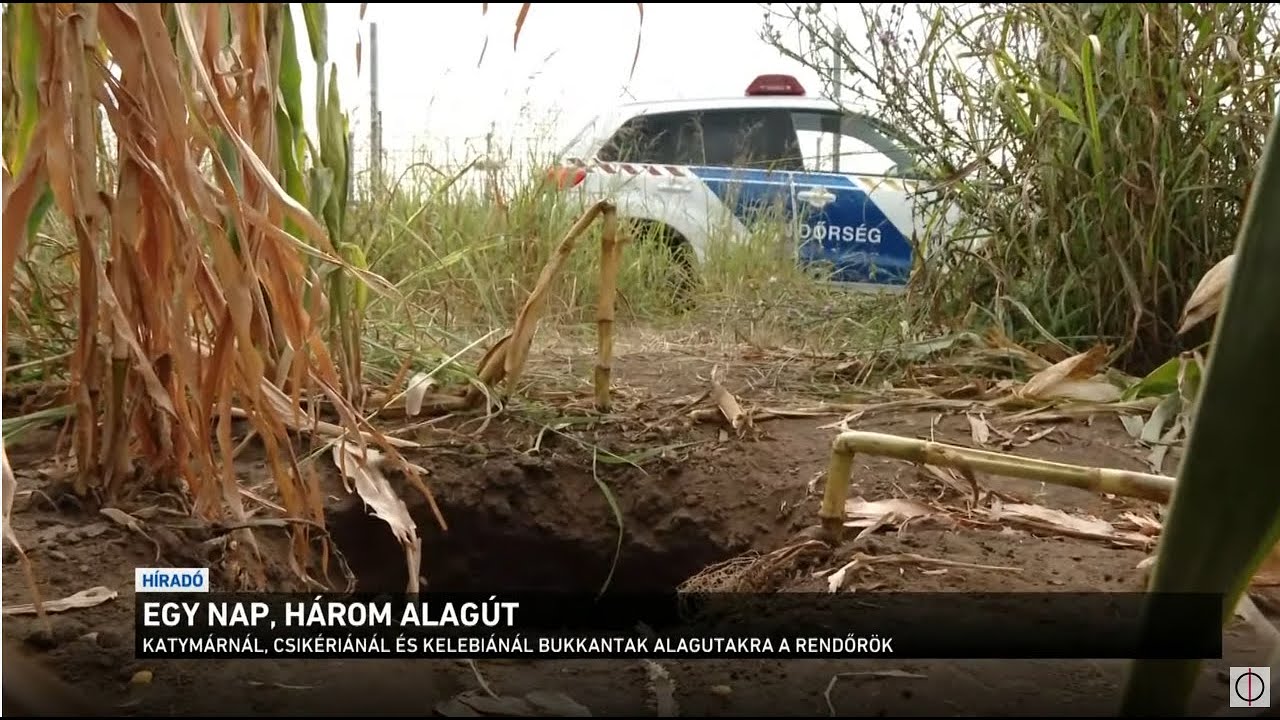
525	508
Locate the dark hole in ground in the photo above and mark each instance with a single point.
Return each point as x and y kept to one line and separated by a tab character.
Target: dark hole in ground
531	537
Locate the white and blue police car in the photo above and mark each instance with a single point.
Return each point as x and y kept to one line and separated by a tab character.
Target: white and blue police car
844	185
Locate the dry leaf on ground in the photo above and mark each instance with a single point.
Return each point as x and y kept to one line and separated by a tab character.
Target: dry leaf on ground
1143	523
419	385
83	599
836	580
1053	520
863	513
978	429
1076	378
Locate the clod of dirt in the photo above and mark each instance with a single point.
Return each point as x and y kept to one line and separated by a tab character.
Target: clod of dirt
52	535
93	530
61	630
108	638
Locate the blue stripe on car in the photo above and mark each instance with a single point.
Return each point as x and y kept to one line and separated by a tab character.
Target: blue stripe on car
838	239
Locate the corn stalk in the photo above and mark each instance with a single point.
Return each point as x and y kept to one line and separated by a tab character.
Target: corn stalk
505	360
610	260
329	194
192	260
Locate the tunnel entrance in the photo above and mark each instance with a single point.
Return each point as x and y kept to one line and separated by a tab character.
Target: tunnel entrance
522	533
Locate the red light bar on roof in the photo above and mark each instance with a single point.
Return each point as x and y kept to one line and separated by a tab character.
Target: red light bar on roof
775	85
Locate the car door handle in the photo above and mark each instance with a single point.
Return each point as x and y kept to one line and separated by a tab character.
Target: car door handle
817	197
674	186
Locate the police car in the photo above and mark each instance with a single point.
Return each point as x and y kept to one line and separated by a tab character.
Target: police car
840	186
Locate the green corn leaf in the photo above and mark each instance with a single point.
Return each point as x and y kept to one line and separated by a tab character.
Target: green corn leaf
25	67
317	21
1224	517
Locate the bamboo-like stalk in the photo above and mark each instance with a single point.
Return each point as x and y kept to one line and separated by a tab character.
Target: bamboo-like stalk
836	493
847	444
610	259
505	360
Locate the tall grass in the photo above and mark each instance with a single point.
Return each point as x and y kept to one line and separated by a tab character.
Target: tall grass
1224	519
1103	150
463	247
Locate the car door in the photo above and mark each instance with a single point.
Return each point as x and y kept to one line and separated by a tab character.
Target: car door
748	156
854	218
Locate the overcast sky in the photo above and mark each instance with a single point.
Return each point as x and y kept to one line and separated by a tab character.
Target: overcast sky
572	62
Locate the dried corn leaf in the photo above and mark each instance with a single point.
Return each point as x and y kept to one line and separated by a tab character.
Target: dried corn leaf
8	493
372	487
836	580
978	429
1166	411
1076	378
865	513
418	387
1133	425
1206	300
1057	517
84	599
1053	520
1155	459
1143	523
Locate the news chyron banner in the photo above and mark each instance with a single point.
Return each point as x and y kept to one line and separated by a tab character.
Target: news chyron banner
179	616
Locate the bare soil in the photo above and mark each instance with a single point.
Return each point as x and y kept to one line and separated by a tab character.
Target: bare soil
525	510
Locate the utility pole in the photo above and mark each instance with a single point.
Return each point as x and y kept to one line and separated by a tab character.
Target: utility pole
837	42
375	114
351	185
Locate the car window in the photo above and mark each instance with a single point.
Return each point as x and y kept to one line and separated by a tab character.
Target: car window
760	139
831	142
763	139
661	138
